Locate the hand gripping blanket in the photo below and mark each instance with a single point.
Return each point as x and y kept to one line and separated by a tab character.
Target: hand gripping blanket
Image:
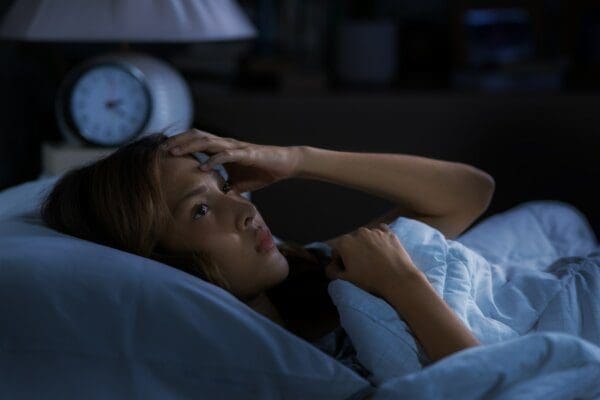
525	282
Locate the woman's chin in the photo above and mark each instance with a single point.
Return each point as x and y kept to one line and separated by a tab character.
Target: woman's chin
282	271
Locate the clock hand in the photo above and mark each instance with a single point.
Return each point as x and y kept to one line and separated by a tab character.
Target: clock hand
111	85
113	103
119	112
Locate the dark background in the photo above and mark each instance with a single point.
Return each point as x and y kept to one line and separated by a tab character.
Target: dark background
516	96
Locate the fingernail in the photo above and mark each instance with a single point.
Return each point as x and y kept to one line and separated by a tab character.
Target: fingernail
176	150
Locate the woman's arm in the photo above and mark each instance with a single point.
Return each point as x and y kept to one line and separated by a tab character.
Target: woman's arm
433	322
447	195
376	261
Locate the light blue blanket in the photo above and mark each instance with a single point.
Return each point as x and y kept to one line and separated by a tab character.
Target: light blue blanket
525	282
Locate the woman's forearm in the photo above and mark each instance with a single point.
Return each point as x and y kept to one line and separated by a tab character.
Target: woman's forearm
434	323
422	185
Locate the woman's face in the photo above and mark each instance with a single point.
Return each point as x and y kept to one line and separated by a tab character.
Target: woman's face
221	223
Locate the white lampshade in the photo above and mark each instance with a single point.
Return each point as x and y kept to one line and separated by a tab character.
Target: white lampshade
126	21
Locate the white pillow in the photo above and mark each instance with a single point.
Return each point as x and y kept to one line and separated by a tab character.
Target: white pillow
82	320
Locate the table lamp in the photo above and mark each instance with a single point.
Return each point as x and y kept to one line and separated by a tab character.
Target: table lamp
114	98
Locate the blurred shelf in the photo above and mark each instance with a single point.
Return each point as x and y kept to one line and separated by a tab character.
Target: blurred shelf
205	92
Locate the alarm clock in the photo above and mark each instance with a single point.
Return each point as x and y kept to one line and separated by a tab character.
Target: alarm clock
112	99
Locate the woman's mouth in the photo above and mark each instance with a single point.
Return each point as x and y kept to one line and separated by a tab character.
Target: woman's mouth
265	241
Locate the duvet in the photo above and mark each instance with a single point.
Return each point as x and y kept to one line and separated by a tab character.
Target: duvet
527	284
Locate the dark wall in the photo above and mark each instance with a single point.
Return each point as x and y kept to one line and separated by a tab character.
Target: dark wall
18	125
19	110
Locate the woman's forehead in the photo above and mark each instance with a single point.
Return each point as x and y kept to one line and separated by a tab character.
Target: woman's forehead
178	172
172	163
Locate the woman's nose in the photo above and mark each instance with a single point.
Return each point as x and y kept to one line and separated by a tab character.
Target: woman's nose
247	217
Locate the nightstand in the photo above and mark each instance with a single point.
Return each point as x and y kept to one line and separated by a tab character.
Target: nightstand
60	157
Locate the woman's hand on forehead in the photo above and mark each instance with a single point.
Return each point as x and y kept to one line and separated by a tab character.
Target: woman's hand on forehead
249	166
195	140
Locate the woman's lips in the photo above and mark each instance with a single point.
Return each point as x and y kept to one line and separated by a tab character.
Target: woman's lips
265	241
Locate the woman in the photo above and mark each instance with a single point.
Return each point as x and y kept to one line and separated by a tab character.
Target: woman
151	198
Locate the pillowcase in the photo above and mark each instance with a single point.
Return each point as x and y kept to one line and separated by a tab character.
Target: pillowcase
84	320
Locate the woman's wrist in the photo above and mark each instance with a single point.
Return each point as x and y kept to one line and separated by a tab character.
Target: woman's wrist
300	159
310	161
437	327
398	289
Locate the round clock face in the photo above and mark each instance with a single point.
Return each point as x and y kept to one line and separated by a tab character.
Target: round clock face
109	105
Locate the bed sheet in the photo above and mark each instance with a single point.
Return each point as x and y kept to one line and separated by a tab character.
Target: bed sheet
527	279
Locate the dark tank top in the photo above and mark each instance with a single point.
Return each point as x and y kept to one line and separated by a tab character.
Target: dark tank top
336	343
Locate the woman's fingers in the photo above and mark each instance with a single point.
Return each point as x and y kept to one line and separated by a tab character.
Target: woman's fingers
238	155
208	146
193	144
333	271
200	142
178	139
384	227
184	139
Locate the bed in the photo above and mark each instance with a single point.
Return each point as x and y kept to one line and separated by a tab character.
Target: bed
82	320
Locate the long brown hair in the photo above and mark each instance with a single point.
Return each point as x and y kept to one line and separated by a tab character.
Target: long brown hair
117	201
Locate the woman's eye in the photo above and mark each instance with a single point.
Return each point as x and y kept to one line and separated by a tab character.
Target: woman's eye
200	207
227	186
203	207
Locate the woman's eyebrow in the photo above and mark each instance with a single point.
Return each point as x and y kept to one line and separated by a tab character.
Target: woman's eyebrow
196	191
